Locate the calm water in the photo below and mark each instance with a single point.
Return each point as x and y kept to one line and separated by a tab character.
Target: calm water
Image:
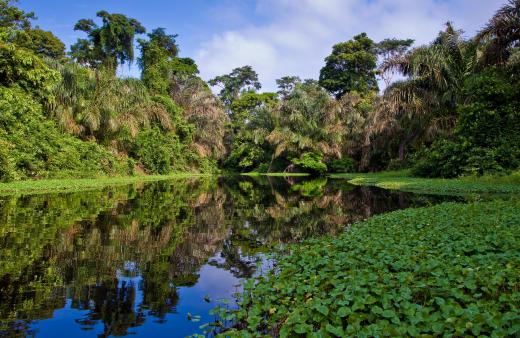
148	260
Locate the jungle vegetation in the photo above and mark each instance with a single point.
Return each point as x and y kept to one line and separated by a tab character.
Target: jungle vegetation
454	110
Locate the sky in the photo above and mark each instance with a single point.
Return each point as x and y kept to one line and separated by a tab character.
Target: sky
276	37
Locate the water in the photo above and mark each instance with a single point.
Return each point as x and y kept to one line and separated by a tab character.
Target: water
151	260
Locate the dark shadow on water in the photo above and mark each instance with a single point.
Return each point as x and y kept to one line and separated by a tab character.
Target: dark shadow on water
152	259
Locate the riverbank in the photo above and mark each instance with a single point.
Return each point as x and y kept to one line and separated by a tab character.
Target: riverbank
68	185
401	180
256	174
448	269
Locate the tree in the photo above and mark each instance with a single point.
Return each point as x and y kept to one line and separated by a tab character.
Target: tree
159	62
202	109
250	124
41	42
108	45
287	84
13	17
391	48
350	67
424	104
502	34
306	121
240	80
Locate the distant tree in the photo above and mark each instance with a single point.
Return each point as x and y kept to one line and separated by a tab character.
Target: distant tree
13	17
240	80
159	61
502	34
41	42
307	121
350	67
107	45
287	84
35	39
391	48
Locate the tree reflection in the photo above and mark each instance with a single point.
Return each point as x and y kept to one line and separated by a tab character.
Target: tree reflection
99	249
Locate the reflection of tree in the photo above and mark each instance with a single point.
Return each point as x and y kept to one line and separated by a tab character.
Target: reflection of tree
78	244
113	304
87	246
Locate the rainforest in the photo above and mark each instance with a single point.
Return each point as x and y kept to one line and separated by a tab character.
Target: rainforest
380	198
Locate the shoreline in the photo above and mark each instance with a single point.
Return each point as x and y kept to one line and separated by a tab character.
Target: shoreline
83	184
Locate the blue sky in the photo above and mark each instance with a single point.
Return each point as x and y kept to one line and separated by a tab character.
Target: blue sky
276	37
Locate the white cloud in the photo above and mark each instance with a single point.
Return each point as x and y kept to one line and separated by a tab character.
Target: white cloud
296	35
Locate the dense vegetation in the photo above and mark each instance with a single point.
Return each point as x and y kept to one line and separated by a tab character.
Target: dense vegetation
450	269
454	111
71	116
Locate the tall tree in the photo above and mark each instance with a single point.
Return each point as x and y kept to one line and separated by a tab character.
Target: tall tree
391	48
307	121
287	84
13	17
502	34
240	80
350	67
423	104
41	42
159	62
107	45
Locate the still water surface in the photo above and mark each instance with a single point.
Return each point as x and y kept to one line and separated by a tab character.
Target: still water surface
151	260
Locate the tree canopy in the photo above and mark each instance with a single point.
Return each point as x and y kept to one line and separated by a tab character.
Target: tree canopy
350	67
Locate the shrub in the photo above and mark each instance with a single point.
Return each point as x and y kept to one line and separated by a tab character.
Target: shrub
311	162
450	270
345	164
159	152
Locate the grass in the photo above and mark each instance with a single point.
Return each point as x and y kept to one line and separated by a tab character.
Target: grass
401	180
70	185
451	269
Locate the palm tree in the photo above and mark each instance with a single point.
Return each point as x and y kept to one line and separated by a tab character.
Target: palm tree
306	121
423	105
96	104
205	111
502	34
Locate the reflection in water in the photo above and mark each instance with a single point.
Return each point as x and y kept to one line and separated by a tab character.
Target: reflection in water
149	259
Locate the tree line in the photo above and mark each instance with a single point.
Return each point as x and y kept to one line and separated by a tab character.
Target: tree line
453	110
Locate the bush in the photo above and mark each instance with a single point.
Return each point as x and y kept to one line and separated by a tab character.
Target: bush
342	165
311	162
159	152
450	270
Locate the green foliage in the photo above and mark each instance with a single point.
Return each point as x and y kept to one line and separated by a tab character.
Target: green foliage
19	67
408	273
487	136
37	149
305	121
159	62
13	17
41	42
240	80
311	162
287	84
350	67
401	180
344	164
159	152
107	45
